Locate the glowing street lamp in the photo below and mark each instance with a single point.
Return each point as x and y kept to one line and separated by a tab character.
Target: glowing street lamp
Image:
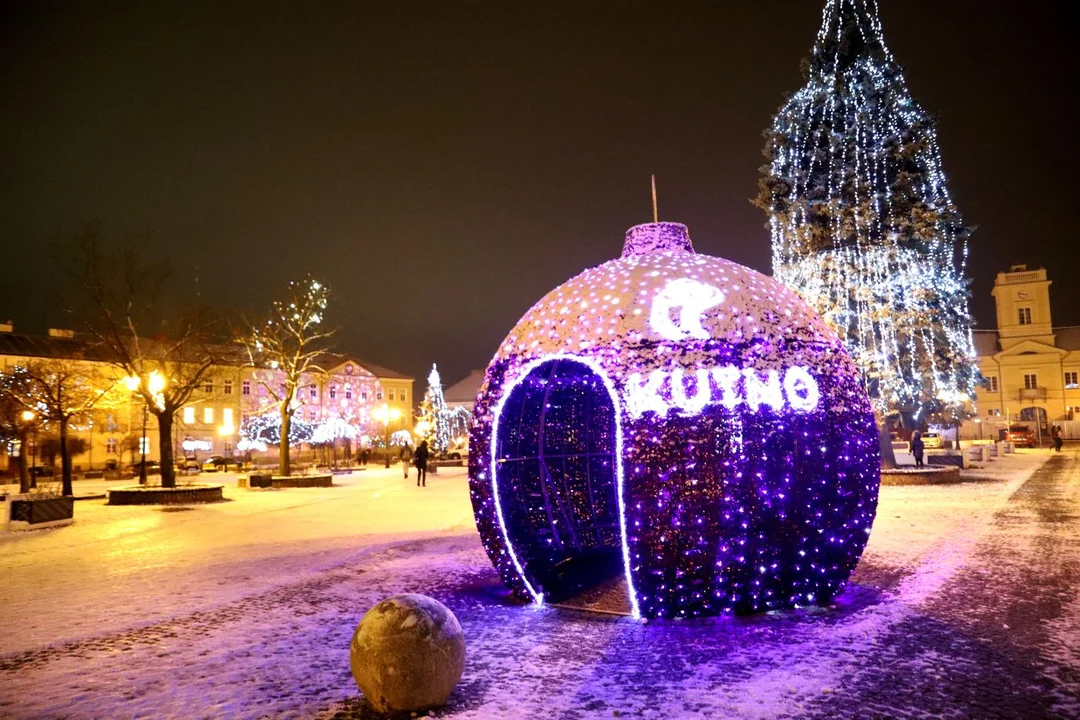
155	384
386	415
423	427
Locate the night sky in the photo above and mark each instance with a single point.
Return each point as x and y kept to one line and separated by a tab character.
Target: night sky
443	165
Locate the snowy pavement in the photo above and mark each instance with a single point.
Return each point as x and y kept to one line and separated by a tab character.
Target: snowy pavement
965	605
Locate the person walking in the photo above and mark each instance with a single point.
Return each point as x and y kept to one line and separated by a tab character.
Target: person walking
406	456
421	458
917	448
1055	433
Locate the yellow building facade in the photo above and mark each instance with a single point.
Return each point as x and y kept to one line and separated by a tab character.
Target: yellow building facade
1030	367
210	422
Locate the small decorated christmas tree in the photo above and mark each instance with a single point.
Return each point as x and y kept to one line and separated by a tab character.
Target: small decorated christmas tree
435	415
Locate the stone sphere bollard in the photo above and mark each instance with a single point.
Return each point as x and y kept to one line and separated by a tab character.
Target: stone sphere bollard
407	654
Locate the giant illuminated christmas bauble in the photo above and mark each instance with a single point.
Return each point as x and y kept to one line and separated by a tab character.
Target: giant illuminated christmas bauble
679	420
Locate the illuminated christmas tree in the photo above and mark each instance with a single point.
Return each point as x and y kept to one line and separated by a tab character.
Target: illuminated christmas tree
259	431
863	225
436	415
284	349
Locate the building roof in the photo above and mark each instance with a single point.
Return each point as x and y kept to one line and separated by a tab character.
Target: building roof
465	390
80	347
1067	338
332	360
46	346
986	342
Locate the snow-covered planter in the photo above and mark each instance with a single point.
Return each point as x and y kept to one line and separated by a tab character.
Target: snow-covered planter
32	512
303	481
960	460
157	495
256	480
684	419
927	475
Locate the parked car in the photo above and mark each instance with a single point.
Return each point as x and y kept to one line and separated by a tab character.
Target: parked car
153	467
457	453
220	463
1021	436
932	441
188	465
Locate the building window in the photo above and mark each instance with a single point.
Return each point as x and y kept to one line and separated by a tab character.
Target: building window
312	413
993	412
991	383
378	394
208	386
1025	316
227	417
245	387
208	415
333	392
189	415
110	446
1071	379
1074	412
390	394
363	395
228	387
348	392
313	392
1031	381
144	445
401	395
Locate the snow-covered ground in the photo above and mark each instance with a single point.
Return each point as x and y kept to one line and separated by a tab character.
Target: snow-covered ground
246	609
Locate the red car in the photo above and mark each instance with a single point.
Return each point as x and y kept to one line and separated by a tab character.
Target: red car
1021	436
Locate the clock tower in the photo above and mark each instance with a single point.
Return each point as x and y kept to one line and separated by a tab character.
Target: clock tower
1023	306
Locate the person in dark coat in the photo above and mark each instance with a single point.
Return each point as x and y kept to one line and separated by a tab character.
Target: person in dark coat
420	457
1055	433
917	448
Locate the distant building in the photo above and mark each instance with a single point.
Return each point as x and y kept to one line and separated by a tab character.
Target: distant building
463	393
1031	369
209	424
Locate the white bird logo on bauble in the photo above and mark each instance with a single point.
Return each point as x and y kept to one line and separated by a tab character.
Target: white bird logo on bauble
692	299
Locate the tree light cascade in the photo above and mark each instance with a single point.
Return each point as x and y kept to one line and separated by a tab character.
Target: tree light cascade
862	222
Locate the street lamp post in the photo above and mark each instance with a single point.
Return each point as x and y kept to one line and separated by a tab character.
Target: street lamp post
28	417
385	414
142	447
132	383
155	384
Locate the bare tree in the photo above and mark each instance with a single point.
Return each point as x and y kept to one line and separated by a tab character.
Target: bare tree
284	348
59	391
17	421
164	351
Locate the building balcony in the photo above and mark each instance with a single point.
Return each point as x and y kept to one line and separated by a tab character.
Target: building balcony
1038	393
